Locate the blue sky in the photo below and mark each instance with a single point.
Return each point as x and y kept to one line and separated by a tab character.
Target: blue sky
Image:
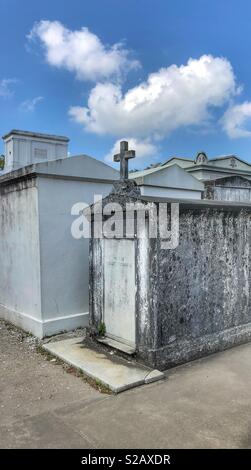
131	77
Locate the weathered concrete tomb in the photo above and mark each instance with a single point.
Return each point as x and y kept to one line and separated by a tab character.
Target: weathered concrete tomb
168	305
230	188
44	275
176	304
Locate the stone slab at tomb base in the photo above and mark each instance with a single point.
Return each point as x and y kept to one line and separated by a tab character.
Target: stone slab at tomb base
114	372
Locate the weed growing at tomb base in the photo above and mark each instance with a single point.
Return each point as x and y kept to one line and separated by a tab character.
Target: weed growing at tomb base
102	329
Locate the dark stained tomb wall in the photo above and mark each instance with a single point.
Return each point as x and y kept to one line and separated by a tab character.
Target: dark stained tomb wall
203	286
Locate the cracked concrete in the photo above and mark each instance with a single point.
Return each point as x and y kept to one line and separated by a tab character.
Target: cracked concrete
203	404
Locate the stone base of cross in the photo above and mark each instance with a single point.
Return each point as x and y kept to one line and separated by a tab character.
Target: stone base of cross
123	158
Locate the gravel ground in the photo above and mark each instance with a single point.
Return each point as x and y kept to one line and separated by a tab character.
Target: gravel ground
44	404
30	383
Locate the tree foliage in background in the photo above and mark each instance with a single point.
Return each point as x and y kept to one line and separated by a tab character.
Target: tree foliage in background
1	162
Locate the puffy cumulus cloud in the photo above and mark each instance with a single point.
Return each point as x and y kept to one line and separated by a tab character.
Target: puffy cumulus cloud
81	51
236	118
144	148
168	99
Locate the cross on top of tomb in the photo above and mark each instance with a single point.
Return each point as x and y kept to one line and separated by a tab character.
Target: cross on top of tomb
123	158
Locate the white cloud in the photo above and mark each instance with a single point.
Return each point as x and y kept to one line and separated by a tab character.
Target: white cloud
81	51
170	98
30	105
235	119
143	148
5	87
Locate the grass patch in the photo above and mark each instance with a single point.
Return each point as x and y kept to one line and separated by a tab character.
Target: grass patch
102	329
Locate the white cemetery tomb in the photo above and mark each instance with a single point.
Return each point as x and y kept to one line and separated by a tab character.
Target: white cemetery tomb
44	274
44	271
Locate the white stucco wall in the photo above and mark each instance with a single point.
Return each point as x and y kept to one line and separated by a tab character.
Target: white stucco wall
20	299
64	260
169	192
168	181
44	271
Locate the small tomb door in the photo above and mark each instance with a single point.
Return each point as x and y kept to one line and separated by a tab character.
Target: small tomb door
119	290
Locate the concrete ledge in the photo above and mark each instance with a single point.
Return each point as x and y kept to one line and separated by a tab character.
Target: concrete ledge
42	328
57	325
179	352
117	345
22	320
114	372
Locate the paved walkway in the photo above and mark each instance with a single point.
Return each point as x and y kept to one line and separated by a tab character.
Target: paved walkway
205	404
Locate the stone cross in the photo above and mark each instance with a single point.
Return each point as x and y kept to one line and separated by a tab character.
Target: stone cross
123	158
